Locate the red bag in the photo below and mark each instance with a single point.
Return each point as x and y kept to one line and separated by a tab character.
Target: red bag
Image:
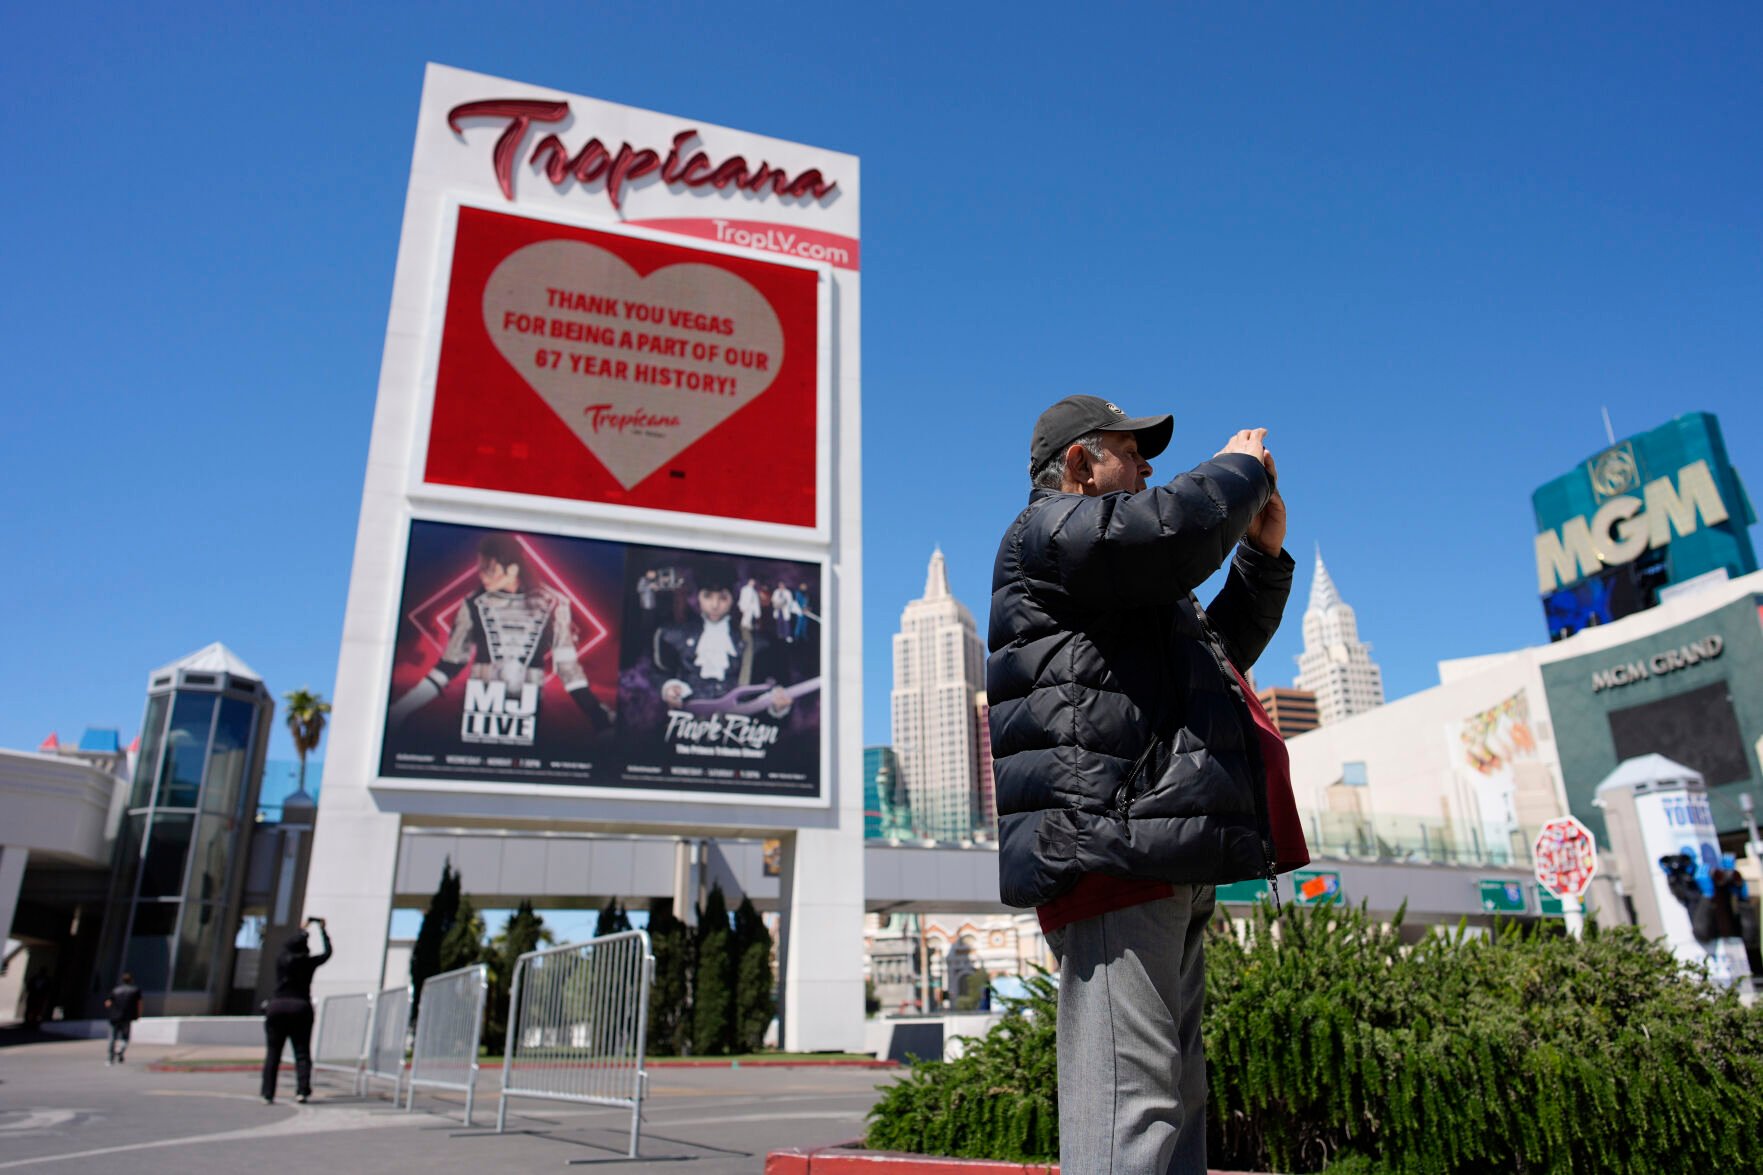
1290	850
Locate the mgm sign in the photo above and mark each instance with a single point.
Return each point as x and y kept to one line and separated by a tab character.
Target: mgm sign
1650	512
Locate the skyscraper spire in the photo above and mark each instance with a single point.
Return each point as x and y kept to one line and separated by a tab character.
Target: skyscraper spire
936	580
1336	665
1323	593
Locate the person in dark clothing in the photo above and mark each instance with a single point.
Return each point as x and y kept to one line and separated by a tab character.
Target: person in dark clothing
288	1013
123	1006
38	1003
1134	768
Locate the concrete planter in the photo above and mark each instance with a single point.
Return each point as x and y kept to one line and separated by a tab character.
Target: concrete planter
938	1034
849	1158
219	1030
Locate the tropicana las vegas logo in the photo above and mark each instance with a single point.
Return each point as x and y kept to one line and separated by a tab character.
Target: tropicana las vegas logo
680	166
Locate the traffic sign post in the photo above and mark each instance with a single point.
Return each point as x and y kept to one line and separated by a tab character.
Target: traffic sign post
1566	861
1501	897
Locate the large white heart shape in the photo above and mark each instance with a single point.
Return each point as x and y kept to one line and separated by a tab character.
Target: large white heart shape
637	367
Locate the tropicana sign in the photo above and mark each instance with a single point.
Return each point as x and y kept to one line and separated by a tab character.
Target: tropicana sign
596	161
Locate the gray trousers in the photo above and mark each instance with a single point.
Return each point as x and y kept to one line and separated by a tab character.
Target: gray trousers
1132	1070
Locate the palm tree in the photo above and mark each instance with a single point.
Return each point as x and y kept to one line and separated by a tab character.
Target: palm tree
306	718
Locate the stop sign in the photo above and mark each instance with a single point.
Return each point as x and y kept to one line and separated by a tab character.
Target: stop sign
1566	857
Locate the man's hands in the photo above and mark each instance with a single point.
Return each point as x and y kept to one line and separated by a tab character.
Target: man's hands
1267	533
1251	441
778	702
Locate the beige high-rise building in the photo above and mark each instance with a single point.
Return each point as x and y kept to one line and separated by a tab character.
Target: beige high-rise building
939	669
1336	665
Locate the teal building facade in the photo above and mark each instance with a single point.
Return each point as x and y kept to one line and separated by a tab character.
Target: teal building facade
1692	692
1649	513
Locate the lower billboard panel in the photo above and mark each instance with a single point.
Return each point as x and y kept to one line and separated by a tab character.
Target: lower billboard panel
533	658
1609	595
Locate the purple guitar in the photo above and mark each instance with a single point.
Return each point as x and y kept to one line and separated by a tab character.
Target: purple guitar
749	699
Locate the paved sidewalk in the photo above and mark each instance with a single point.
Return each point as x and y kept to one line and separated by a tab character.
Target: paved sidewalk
63	1110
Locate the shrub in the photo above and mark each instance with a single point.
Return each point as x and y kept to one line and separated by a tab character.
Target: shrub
437	923
464	943
755	1003
713	980
1330	1042
612	919
999	1100
522	932
670	1018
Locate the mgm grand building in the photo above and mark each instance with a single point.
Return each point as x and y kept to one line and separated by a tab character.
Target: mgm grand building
1651	683
1467	772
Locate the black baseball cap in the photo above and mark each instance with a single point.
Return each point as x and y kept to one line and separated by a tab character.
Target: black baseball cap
1074	416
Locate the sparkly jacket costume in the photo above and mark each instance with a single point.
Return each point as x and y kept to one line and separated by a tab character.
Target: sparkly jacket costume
503	636
1121	741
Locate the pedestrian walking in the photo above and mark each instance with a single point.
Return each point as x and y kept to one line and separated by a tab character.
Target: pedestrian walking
1135	770
123	1007
38	1002
288	1013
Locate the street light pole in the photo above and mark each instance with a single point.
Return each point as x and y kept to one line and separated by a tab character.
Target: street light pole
1755	843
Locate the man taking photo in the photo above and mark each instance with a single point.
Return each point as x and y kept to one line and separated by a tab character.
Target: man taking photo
1135	769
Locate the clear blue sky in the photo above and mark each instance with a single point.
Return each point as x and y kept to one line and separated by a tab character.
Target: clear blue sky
1422	243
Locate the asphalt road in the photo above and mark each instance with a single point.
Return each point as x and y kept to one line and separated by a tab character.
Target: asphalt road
62	1110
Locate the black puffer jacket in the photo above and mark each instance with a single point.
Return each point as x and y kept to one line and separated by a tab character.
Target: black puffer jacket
1101	657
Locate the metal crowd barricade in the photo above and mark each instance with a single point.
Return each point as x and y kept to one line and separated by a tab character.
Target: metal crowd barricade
384	1059
577	1018
340	1044
449	1020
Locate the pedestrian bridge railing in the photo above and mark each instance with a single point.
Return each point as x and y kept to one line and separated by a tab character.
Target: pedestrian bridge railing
449	1021
388	1031
577	1018
344	1024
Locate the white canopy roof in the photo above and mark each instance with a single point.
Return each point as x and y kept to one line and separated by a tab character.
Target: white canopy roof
215	658
1649	769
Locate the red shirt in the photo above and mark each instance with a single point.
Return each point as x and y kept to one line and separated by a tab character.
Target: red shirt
1099	893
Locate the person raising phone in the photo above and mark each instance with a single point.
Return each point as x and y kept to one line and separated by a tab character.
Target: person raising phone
288	1013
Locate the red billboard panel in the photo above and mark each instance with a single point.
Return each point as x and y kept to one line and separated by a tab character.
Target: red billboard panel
603	368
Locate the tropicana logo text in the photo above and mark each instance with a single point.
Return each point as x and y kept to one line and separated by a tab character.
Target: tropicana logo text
596	161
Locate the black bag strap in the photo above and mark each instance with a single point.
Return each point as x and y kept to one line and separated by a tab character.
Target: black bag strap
1124	794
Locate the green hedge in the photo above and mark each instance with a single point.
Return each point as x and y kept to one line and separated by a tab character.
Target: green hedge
999	1101
1328	1041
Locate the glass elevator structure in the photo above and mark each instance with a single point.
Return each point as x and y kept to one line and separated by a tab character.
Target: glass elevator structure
186	831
